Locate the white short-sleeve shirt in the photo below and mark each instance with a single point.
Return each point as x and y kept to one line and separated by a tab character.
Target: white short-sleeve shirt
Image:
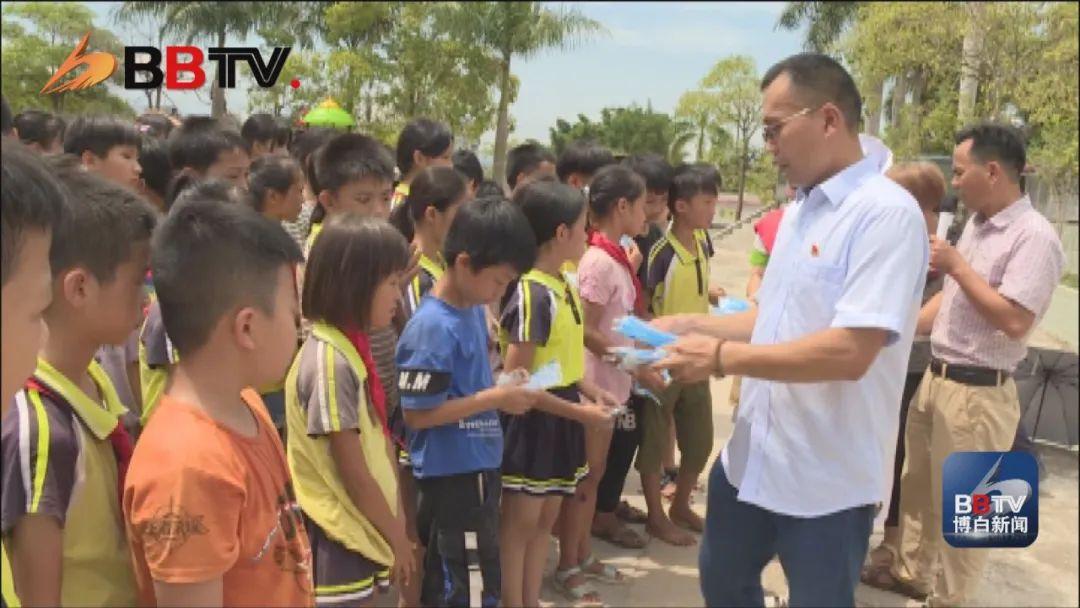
852	252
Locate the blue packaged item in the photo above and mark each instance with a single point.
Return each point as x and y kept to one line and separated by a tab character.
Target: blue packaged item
728	305
634	328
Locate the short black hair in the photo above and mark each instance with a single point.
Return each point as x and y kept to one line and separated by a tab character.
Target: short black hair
610	184
264	128
99	134
39	127
691	179
583	156
525	159
429	137
208	257
5	117
439	187
303	147
275	172
548	204
996	142
351	257
653	168
156	168
488	187
103	224
467	164
350	157
492	231
30	199
199	141
824	80
152	124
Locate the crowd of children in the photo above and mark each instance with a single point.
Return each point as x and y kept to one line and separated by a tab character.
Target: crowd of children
296	367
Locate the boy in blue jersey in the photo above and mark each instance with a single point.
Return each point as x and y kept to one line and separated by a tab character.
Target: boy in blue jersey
450	402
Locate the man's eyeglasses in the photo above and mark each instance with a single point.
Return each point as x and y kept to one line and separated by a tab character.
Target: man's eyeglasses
771	132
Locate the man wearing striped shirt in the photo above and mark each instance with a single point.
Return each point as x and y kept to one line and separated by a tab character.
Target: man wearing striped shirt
999	281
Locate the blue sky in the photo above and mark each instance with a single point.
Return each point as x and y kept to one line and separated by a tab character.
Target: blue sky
651	51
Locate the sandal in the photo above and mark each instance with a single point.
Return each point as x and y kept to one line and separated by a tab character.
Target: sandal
583	593
622	536
881	577
608	574
630	514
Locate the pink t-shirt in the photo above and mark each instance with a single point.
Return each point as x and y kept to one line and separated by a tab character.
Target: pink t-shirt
606	283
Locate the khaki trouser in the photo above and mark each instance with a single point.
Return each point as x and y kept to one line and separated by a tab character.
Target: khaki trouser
946	417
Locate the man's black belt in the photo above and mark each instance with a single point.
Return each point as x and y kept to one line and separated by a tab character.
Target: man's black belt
968	374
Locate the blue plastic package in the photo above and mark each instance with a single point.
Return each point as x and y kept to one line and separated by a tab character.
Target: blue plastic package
630	357
730	305
634	328
546	377
626	242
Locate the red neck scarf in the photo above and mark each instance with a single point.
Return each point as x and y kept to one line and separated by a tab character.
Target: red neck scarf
601	241
119	438
375	388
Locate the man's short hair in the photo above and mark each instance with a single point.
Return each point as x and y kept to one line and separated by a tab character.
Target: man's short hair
492	231
30	199
525	159
822	80
103	224
351	157
653	168
584	157
99	134
996	142
211	255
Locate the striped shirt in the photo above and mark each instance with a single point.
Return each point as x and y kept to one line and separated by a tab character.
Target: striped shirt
1017	251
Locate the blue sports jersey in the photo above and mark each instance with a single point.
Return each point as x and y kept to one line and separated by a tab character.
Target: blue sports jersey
443	355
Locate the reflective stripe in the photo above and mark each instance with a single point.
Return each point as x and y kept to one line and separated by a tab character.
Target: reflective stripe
331	389
24	446
41	463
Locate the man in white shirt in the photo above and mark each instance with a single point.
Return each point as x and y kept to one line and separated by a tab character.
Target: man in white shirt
823	355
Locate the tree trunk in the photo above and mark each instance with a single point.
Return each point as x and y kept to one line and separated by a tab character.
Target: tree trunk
701	141
157	100
502	124
873	106
899	95
742	174
969	63
918	86
217	94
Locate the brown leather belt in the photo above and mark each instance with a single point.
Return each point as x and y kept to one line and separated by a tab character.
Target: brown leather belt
968	374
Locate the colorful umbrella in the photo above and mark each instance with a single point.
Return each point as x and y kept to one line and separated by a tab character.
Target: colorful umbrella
329	114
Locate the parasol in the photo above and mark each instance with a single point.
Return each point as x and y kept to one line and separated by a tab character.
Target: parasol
329	114
1046	382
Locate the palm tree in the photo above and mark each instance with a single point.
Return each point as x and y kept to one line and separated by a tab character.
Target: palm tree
825	21
515	29
216	21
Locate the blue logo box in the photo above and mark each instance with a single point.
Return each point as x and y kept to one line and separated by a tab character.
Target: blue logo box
990	499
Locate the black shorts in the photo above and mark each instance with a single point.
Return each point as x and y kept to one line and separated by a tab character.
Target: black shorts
342	576
544	454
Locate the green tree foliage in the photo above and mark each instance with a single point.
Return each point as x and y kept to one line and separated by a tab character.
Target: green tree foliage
515	30
629	130
38	37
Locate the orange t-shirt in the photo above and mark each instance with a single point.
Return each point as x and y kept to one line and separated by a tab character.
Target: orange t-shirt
201	501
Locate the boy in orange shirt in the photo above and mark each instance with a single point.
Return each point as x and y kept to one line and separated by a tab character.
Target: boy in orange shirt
211	515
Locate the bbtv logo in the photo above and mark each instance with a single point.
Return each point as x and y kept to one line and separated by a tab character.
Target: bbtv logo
990	499
182	70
